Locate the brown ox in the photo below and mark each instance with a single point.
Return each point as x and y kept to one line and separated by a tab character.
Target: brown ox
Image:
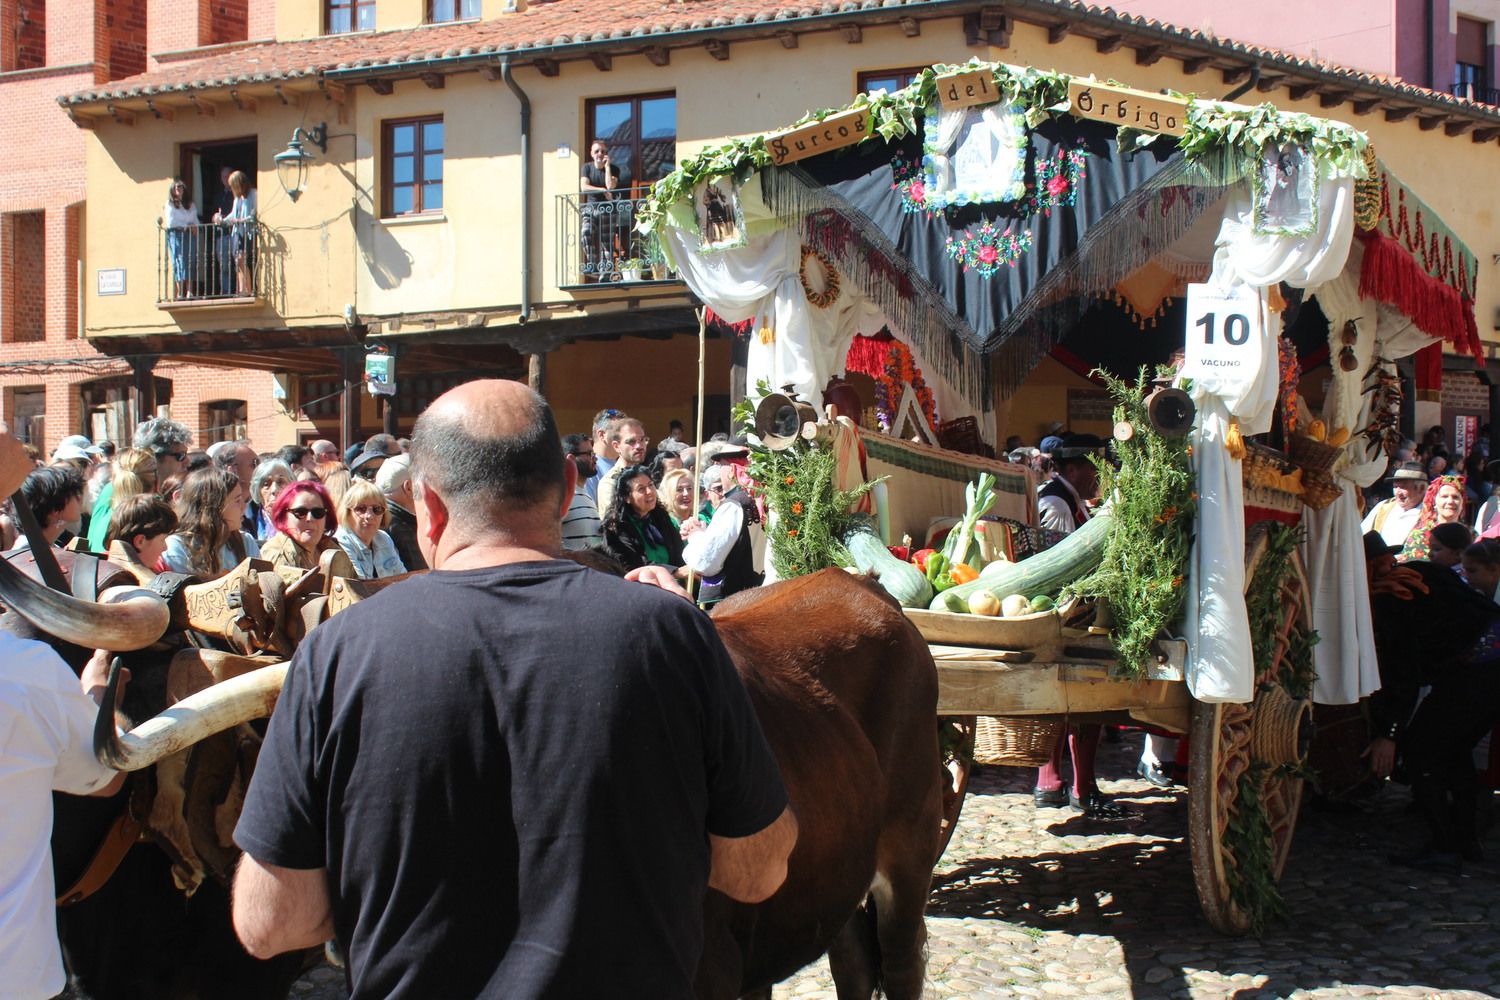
846	691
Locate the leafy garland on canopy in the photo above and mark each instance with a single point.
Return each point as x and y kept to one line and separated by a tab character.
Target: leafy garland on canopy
1227	140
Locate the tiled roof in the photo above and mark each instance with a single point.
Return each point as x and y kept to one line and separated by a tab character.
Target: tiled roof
571	27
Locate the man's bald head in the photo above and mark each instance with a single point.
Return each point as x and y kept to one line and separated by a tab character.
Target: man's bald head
489	448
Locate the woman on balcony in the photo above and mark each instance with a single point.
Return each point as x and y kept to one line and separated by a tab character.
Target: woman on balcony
181	221
241	220
304	518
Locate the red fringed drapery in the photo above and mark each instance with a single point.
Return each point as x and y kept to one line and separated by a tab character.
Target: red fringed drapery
1428	363
740	329
1393	276
867	355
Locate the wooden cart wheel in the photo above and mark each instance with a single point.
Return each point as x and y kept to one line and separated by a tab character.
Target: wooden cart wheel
1252	749
956	777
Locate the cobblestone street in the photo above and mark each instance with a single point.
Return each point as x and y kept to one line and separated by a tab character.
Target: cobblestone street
1036	903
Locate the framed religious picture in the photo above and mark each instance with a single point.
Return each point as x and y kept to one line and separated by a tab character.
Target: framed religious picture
716	208
973	155
1285	191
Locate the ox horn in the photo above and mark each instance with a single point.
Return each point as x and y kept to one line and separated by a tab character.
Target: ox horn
125	619
193	719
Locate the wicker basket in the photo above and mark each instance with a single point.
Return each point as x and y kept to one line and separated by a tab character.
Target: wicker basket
1016	741
1314	456
1319	490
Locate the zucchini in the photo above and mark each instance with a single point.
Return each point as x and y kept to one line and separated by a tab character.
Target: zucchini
1044	573
901	580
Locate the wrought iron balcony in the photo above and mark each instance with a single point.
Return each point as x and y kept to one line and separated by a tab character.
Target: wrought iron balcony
597	244
1484	95
213	264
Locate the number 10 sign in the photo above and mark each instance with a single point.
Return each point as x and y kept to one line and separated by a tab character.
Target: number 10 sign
1224	343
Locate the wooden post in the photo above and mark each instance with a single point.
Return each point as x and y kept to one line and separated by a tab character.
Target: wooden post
143	388
536	372
739	357
350	371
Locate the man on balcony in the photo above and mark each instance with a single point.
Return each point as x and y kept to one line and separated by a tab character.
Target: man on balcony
604	220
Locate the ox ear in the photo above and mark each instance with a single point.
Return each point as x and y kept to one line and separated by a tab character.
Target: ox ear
125	619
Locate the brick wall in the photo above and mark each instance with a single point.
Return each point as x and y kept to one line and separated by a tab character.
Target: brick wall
229	21
31	34
23	271
125	26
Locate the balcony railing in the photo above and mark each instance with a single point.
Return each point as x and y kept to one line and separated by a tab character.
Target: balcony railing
597	244
215	262
1484	95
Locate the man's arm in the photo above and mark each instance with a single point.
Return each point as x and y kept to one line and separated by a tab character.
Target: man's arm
708	547
1055	515
750	869
277	909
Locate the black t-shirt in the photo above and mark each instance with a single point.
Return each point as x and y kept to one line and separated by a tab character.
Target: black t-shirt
510	774
595	176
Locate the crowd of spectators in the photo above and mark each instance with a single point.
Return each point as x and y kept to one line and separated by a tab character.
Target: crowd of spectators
174	508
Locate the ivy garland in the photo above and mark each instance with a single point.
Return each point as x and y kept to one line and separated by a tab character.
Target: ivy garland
1226	140
1145	561
830	292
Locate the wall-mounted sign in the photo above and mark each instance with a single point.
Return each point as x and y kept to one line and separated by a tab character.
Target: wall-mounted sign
380	374
1131	108
111	281
833	132
964	90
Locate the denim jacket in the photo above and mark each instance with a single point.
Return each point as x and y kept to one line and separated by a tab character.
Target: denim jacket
371	561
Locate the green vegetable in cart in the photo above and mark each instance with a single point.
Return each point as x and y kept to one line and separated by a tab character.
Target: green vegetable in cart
1042	603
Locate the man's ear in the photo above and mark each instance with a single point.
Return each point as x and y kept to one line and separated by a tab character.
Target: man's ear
435	510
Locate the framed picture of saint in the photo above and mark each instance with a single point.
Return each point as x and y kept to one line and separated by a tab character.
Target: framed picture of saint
721	221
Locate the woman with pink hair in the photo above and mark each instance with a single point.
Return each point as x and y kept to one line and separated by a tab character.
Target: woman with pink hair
305	521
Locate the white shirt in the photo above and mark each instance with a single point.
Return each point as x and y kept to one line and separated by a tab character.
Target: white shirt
47	724
179	218
1397	524
1055	513
708	547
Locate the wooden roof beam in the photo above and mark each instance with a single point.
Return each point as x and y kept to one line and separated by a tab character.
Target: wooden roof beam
718	48
602	61
1268	83
1364	107
1195	65
338	93
1148	55
434	81
162	114
490	72
1057	32
382	86
988	26
1109	43
1399	114
659	55
853	33
1458	127
1298	91
82	121
547	67
910	27
1332	98
1485	134
120	115
788	39
290	100
243	101
204	107
1235	74
1430	122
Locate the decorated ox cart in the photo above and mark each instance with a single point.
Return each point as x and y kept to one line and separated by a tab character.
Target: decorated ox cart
962	229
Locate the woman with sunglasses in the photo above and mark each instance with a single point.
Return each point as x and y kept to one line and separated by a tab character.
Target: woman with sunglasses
363	515
303	515
209	541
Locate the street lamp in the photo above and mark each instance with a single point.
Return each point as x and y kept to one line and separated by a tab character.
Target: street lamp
292	163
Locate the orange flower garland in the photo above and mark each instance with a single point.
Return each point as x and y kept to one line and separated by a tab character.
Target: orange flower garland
830	292
901	369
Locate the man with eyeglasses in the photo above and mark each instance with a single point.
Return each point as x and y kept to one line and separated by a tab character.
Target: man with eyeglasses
606	424
580	525
631	444
168	441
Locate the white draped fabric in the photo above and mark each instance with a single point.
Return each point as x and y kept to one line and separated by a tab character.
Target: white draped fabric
1345	653
1221	667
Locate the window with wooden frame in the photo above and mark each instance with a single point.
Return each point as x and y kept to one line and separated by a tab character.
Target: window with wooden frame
1471	66
343	16
640	131
452	10
412	174
888	80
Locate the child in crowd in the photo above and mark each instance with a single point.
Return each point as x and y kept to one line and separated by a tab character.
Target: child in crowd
142	524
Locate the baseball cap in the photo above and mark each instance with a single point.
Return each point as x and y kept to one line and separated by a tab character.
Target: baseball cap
1050	444
393	473
69	453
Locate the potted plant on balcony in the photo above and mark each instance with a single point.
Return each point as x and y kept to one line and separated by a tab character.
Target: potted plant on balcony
631	270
